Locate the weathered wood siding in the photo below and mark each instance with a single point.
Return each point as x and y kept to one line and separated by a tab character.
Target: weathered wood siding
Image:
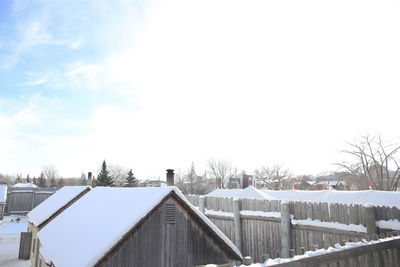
157	243
25	245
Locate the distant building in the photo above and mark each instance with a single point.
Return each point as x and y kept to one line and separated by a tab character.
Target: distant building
191	183
151	183
322	185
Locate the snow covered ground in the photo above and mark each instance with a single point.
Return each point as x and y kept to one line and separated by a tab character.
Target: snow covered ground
10	229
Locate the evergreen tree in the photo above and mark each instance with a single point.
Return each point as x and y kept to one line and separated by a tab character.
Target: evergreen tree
42	181
34	180
27	179
104	178
130	180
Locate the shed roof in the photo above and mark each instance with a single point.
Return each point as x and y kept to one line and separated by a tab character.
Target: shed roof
248	192
101	218
3	193
54	203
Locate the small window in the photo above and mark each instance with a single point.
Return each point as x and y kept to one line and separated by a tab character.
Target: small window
170	210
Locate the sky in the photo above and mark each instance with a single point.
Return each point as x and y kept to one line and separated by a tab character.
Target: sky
152	85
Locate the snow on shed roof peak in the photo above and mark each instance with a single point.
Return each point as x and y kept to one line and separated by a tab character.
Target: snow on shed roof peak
80	228
54	203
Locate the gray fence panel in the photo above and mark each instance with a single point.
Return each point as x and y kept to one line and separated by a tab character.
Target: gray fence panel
22	200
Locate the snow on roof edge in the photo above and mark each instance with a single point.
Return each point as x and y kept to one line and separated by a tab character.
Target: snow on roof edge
38	219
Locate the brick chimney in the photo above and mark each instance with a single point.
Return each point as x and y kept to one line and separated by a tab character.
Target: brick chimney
170	177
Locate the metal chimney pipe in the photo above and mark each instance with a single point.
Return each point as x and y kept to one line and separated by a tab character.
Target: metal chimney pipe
170	177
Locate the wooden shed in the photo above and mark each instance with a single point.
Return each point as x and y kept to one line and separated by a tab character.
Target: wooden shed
3	200
41	215
139	227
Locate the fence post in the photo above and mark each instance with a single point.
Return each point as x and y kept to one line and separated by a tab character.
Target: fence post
370	219
9	199
202	205
285	229
236	220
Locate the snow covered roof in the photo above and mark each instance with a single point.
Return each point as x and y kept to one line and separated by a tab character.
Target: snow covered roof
3	193
25	185
375	197
85	226
248	192
54	203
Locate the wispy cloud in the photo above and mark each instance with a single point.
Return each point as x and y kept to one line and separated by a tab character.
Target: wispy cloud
86	70
76	44
36	82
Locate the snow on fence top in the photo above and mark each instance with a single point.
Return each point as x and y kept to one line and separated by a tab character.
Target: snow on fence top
377	198
3	193
29	185
248	192
83	233
374	197
54	203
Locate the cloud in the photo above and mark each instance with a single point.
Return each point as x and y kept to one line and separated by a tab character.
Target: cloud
258	83
86	70
36	82
76	44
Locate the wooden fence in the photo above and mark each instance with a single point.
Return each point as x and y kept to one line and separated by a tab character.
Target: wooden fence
259	232
21	200
386	253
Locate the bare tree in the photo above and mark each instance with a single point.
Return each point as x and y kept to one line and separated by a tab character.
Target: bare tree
373	161
6	179
118	174
50	174
222	171
276	177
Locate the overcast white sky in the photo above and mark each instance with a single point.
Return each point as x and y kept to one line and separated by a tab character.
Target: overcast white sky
160	84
